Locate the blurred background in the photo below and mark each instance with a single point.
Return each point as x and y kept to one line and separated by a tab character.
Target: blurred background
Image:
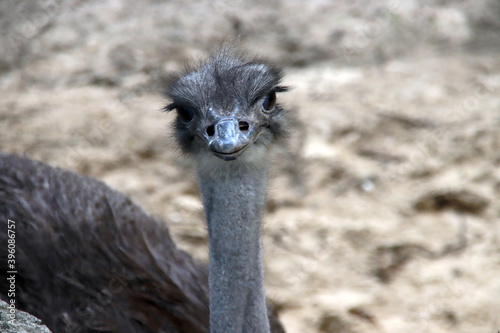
383	213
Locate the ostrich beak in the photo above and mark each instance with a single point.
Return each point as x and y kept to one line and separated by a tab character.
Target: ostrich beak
229	137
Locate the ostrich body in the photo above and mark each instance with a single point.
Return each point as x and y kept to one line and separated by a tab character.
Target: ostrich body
92	261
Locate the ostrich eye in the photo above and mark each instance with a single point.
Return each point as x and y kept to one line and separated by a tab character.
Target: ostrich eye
269	102
185	114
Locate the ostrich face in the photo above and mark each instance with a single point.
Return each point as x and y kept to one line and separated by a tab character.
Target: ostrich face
227	108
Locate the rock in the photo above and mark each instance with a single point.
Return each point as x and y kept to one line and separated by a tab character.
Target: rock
23	322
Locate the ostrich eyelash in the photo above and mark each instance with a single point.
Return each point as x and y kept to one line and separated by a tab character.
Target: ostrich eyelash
264	94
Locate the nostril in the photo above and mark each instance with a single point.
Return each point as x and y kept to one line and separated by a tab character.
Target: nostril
243	126
210	130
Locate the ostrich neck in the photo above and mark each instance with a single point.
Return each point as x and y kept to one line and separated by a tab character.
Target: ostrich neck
234	203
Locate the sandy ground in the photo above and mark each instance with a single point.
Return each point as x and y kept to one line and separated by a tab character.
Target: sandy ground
383	213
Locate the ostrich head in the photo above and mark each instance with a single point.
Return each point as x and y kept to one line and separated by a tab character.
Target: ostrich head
227	109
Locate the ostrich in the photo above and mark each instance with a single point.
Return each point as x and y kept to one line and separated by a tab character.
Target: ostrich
90	260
